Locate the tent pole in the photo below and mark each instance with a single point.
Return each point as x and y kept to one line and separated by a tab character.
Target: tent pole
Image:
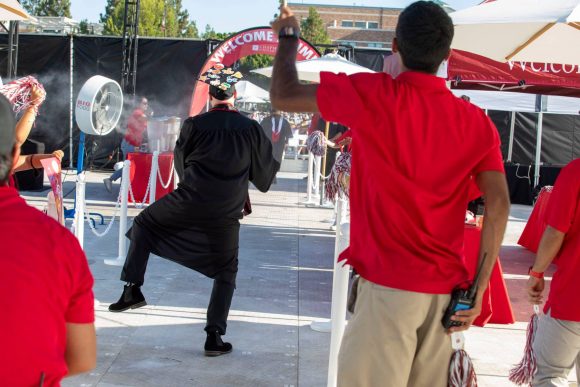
538	149
511	139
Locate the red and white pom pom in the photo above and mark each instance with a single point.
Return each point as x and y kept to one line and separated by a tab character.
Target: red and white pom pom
523	373
461	371
19	93
339	180
316	143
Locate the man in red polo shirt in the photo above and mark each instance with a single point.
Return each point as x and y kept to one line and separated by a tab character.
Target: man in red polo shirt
557	342
46	297
415	149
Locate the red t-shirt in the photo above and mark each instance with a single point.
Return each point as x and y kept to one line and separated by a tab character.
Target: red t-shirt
45	283
135	128
415	147
563	213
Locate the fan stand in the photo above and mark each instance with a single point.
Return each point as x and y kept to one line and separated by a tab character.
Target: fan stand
70	214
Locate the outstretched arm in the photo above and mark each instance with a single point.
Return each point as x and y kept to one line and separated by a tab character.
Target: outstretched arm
287	93
497	206
27	162
24	125
550	245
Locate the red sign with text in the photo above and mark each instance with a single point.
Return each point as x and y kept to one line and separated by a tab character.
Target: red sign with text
249	42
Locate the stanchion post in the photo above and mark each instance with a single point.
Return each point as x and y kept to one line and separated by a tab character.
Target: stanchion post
153	181
317	179
120	261
310	171
323	167
80	209
339	295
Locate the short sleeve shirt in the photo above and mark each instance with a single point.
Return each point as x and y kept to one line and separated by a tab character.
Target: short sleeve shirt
416	148
563	214
45	283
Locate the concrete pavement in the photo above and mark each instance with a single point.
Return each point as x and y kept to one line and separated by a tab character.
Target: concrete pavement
284	283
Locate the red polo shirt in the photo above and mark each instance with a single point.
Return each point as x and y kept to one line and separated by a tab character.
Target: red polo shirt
45	283
563	213
415	147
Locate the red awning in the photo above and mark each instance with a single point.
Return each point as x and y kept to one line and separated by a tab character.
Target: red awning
475	72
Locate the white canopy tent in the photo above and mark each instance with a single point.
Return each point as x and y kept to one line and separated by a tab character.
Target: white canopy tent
309	70
520	102
542	31
251	99
11	10
246	90
521	30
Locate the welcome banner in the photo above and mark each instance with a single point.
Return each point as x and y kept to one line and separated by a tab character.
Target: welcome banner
471	71
254	41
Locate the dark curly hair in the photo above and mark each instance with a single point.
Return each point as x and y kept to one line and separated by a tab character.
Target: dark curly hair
424	34
5	167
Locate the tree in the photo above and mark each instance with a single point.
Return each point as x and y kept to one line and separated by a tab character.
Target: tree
47	7
211	34
185	26
156	18
313	28
253	62
84	27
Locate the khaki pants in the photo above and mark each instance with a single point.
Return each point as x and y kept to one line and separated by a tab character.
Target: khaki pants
395	339
557	348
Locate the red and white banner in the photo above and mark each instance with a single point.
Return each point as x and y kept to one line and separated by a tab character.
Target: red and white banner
470	71
248	42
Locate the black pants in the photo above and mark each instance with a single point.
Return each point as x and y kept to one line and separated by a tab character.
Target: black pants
222	293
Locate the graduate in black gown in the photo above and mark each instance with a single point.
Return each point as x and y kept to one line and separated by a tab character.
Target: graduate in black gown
278	130
197	225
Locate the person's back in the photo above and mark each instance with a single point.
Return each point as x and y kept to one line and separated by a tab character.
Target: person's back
415	146
46	298
416	150
217	165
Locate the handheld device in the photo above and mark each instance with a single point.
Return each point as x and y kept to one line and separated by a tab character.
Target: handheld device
462	299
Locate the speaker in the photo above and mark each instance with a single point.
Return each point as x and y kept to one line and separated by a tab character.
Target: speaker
31	180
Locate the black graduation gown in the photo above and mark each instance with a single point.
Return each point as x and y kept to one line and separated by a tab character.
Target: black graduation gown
197	225
285	134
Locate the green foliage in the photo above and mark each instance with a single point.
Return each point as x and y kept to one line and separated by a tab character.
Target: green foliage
165	18
47	7
84	27
211	34
253	62
313	28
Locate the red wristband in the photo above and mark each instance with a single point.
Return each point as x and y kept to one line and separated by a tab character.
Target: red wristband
535	274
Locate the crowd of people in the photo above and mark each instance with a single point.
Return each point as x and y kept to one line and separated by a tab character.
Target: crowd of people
409	264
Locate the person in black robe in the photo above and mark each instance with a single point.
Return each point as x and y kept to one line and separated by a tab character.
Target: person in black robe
216	156
278	130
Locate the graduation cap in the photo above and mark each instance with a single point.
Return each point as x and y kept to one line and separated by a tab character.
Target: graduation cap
221	80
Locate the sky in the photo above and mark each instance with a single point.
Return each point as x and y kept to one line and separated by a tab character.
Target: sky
236	15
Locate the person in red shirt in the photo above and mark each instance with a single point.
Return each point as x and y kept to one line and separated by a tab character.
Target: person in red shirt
47	326
557	341
415	149
134	138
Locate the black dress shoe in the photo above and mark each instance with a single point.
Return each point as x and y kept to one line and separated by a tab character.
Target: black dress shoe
132	298
214	345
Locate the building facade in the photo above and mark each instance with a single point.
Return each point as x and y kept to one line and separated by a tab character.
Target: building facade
358	26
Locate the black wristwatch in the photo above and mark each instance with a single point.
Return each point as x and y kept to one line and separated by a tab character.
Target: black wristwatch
289	32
